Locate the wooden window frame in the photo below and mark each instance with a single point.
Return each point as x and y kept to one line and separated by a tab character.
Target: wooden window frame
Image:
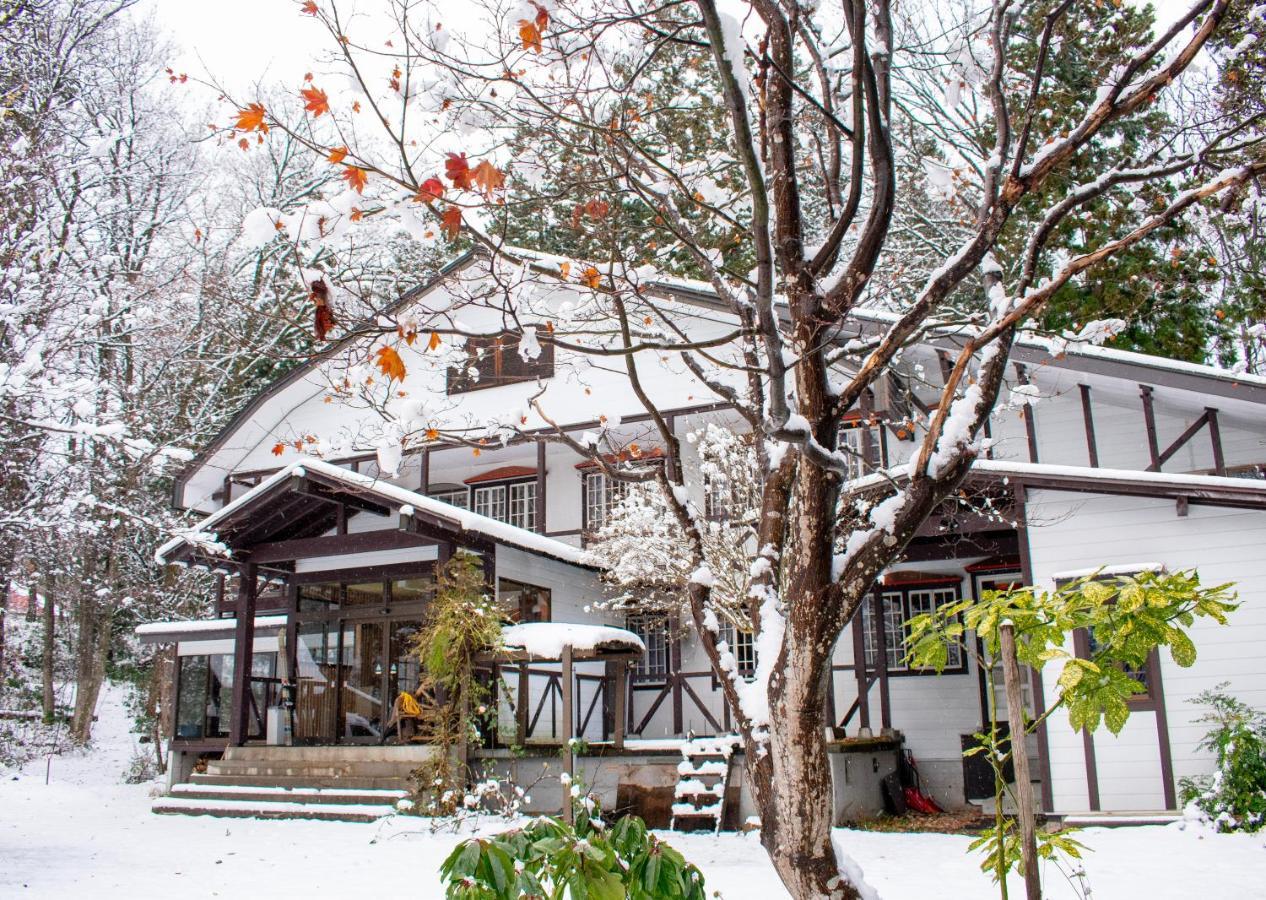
610	489
641	674
870	634
497	359
859	468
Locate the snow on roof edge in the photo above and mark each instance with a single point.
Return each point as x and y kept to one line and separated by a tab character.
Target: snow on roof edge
547	639
197	625
501	532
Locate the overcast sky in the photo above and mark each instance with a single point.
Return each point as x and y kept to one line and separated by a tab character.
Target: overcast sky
242	41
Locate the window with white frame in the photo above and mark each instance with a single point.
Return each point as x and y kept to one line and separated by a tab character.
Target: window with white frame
601	493
742	644
862	446
653	630
899	607
513	502
717	497
523	504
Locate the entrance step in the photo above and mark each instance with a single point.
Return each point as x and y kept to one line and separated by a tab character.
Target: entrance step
239	792
315	769
702	778
276	809
346	782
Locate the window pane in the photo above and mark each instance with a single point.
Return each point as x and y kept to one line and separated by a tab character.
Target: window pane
367	594
491	502
318	597
459	498
191	701
523	505
524	602
413	590
653	630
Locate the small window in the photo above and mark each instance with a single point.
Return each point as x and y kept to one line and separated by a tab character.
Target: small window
653	630
863	448
459	497
491	502
601	493
525	602
742	644
494	361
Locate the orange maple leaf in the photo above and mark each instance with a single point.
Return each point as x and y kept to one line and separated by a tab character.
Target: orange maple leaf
337	155
244	143
591	277
390	363
357	214
279	449
315	101
529	35
458	171
451	222
309	8
251	119
488	177
564	268
355	177
432	434
542	17
434	342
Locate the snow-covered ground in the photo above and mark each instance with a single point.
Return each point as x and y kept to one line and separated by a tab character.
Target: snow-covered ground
86	834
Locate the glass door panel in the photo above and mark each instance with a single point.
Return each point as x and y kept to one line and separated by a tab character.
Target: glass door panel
316	673
405	670
361	681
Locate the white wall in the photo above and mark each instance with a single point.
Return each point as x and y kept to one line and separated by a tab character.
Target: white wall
1224	545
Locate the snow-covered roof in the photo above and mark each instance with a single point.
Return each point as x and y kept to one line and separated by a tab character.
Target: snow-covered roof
408	501
1087	474
163	632
547	639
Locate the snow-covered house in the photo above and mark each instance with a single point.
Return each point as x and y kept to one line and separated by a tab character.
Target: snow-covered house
1101	458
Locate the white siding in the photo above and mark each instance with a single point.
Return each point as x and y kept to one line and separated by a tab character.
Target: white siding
1075	531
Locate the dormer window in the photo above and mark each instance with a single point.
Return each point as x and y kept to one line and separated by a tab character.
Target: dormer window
496	360
862	445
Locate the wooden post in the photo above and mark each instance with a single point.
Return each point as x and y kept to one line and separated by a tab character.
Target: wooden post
1215	439
679	721
859	669
881	626
1020	760
540	488
522	710
1030	425
569	716
1149	422
243	650
424	471
1088	420
621	699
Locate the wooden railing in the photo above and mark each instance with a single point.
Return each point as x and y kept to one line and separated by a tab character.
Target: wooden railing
692	697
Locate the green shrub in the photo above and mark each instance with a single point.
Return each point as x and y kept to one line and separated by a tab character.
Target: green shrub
549	860
1234	797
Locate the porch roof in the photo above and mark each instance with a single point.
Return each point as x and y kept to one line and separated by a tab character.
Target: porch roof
304	500
203	629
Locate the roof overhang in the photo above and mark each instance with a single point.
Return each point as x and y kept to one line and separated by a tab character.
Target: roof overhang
287	517
204	629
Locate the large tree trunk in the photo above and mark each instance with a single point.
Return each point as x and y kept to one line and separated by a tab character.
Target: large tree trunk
94	642
49	648
4	612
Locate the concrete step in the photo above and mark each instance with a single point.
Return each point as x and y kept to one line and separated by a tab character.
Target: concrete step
314	769
403	754
239	792
357	782
256	809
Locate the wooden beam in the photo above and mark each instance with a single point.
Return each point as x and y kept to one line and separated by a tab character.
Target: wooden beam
523	701
859	669
1179	442
243	650
1092	449
334	545
1149	421
1035	676
1215	438
881	626
1030	423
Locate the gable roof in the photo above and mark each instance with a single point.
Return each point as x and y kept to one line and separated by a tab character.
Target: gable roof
1028	349
240	522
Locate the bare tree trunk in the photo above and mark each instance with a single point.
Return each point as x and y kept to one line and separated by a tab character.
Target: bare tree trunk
4	613
156	701
1020	759
94	641
32	613
49	646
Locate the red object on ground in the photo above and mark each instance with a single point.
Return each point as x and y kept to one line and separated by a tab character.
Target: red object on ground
920	802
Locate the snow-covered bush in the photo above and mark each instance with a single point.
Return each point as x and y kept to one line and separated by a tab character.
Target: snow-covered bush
1233	798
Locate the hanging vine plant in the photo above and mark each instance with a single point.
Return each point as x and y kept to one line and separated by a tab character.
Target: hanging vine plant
463	623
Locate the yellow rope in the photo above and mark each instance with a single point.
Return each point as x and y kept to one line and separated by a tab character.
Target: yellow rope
408	705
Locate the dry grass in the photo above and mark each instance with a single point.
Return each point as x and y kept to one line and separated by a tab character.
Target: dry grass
962	822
